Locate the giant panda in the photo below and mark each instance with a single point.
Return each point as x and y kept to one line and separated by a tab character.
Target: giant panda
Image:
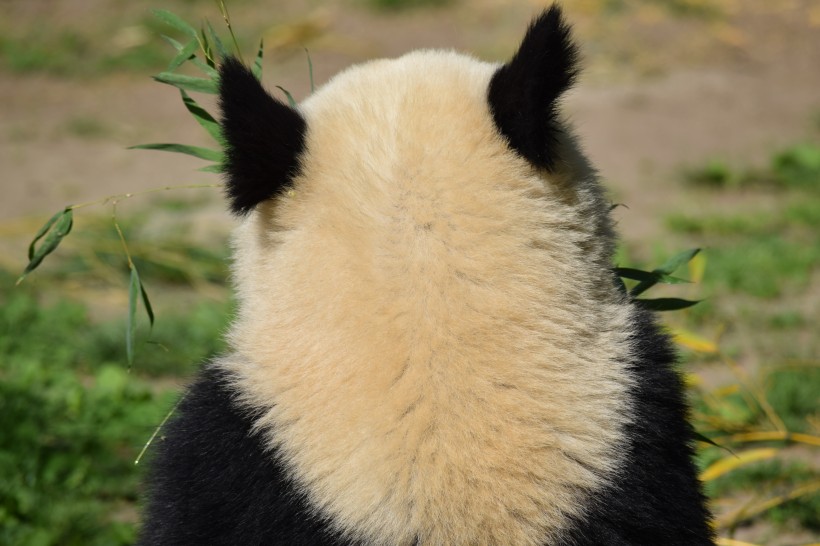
431	347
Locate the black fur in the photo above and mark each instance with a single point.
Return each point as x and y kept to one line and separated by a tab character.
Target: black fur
657	498
263	138
213	482
523	94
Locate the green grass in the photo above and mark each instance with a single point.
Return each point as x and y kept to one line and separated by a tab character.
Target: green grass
74	418
73	52
768	251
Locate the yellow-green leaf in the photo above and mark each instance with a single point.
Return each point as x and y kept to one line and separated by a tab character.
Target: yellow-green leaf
693	341
202	116
196	151
190	83
131	321
54	230
175	21
732	462
256	69
291	101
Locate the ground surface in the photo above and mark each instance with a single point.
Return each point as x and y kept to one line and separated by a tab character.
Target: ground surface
661	91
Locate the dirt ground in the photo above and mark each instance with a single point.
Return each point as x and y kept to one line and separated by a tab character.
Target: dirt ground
661	90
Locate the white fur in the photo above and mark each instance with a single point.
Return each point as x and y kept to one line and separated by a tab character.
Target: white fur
427	324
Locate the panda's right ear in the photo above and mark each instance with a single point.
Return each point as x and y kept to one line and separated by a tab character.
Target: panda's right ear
263	138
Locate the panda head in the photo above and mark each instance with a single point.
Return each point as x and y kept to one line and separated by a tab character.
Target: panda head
421	241
431	127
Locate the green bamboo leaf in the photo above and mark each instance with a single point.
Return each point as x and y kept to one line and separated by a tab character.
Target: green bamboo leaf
663	273
648	276
177	45
206	48
202	117
131	321
217	168
190	83
220	47
257	63
147	303
669	279
288	95
175	21
57	227
196	151
634	274
207	68
701	438
310	70
666	304
42	231
185	53
670	265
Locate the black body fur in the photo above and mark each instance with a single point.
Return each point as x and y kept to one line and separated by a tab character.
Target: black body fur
214	483
264	138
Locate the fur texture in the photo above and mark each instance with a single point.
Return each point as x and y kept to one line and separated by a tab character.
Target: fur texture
524	93
263	138
430	347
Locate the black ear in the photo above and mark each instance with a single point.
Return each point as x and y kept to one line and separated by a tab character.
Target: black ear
263	138
523	94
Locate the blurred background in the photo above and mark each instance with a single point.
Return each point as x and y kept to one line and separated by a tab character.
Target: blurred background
703	117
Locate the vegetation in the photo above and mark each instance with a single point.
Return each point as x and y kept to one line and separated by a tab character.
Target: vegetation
763	260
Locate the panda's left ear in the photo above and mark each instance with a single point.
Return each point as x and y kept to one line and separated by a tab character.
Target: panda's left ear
264	138
524	93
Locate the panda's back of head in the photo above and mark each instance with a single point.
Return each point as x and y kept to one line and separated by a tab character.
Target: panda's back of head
425	296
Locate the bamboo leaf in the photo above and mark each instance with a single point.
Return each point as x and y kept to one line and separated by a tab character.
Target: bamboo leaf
310	70
206	48
257	63
175	21
220	47
697	267
701	438
202	117
196	151
131	321
723	541
185	53
147	303
189	83
54	230
664	272
207	68
177	45
670	265
693	341
665	304
732	462
291	102
748	512
215	168
42	231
